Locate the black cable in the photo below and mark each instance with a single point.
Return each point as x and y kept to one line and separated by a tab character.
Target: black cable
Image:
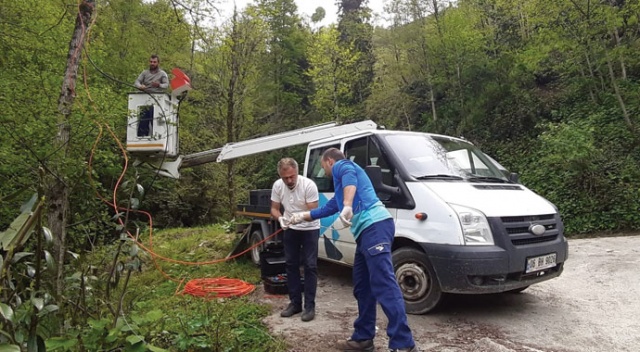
41	160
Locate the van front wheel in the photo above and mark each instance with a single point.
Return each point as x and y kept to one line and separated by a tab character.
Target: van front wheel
417	280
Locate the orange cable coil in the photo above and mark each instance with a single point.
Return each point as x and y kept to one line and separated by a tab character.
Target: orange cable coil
220	287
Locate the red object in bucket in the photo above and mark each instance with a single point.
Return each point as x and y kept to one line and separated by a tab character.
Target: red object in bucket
180	81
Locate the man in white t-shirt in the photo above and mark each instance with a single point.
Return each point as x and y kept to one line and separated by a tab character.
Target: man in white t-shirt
297	193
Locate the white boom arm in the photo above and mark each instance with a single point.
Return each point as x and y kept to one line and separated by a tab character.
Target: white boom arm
263	144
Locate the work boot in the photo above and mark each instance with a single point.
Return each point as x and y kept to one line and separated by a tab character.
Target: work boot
355	346
308	314
290	310
410	349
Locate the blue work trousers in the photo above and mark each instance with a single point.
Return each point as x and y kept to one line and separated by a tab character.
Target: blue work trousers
302	246
374	281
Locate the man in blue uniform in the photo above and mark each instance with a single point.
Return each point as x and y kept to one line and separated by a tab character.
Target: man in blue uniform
373	228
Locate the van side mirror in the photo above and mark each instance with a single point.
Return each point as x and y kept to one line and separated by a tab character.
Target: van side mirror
514	177
375	175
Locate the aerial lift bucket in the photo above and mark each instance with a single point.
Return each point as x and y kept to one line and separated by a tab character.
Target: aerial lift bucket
153	136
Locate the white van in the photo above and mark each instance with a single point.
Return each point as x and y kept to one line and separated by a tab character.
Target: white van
462	225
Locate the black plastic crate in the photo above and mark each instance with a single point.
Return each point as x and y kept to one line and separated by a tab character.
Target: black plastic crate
260	197
277	284
272	261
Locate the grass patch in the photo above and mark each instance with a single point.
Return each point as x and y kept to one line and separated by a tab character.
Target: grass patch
178	322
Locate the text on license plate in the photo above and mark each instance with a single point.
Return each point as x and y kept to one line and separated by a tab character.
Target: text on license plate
541	262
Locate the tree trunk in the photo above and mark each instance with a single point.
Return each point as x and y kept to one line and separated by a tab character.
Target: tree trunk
57	191
589	85
434	113
336	102
231	111
623	68
592	73
623	106
427	69
230	133
436	16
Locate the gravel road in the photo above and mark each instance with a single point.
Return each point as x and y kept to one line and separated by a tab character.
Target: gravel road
593	306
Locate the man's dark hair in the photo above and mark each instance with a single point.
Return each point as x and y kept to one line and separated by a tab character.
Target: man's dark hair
333	153
154	56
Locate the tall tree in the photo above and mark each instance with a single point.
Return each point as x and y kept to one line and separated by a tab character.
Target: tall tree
331	69
231	62
356	31
57	190
287	62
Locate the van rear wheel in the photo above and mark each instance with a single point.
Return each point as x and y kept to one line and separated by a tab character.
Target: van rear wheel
254	253
417	280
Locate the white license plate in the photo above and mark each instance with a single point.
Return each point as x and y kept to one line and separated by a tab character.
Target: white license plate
542	262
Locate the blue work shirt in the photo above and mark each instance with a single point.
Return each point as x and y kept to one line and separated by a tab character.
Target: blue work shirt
367	207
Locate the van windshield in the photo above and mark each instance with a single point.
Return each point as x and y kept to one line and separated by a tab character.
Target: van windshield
428	157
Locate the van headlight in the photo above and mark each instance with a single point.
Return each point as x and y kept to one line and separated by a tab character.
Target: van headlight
475	227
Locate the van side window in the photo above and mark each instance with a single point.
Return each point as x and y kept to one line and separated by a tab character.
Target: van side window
376	158
365	152
356	151
315	171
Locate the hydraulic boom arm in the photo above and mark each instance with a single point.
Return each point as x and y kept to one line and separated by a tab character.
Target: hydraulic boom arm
262	144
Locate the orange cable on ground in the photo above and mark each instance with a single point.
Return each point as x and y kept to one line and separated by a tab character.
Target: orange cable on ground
221	287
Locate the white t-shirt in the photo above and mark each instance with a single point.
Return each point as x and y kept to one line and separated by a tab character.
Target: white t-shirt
296	199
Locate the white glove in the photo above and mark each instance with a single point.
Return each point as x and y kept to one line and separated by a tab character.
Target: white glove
298	217
284	222
346	214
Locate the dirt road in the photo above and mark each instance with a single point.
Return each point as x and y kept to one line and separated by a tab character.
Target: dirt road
593	306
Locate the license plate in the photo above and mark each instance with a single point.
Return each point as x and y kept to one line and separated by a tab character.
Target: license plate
542	262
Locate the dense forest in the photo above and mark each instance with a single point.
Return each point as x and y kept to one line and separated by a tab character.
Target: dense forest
550	88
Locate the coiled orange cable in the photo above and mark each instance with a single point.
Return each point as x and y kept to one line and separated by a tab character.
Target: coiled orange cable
220	287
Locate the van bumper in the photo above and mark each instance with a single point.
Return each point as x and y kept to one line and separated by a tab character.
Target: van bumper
492	269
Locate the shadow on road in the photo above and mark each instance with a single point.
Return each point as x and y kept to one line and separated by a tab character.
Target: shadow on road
488	304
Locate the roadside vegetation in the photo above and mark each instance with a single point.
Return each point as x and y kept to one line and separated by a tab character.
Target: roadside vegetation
549	88
137	305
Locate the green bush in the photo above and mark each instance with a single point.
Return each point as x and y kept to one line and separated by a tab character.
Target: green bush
595	187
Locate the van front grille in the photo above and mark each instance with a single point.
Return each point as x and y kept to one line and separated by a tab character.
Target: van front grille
532	240
517	228
511	219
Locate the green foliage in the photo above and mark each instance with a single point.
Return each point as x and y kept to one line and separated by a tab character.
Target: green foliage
594	187
333	72
287	90
26	268
155	316
547	87
356	35
128	335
